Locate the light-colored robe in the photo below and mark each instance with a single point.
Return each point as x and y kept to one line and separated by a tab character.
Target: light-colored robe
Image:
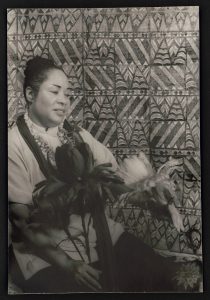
24	173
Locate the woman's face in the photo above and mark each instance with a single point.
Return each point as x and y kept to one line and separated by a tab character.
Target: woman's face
51	103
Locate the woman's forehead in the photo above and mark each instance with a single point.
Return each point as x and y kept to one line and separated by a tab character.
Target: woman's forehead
57	78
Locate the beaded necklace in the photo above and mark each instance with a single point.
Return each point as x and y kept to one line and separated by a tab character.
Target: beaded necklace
63	135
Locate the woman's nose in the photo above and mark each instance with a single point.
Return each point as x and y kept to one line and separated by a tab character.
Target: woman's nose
62	99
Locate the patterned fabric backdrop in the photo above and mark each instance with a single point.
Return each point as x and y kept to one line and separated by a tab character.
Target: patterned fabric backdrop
134	76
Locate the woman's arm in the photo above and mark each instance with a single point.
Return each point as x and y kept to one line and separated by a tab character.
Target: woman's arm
30	234
41	244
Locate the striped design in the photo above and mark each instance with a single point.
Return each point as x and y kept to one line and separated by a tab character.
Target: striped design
170	108
76	107
11	21
100	107
99	52
168	77
192	168
66	51
192	74
132	50
99	77
105	132
193	108
132	133
192	48
132	107
132	77
167	51
168	134
192	70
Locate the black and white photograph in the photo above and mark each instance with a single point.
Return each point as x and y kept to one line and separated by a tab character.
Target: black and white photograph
104	167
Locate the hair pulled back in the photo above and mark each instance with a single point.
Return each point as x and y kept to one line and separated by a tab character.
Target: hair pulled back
36	73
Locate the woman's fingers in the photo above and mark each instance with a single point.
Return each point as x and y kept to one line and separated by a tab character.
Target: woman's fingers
91	281
95	273
176	217
83	281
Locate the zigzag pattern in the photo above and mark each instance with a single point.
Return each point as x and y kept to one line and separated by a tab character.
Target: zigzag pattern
170	108
132	77
174	20
100	108
157	232
192	135
34	22
191	197
110	21
99	52
167	51
133	133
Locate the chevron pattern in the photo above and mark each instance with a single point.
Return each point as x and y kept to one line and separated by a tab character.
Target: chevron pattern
114	20
101	107
169	108
168	51
133	133
99	52
134	79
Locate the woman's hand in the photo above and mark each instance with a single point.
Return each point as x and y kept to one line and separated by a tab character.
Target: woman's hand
176	217
163	191
84	274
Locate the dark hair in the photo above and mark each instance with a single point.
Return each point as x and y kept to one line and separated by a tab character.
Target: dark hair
36	73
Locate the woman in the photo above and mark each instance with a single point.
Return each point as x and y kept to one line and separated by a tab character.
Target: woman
46	261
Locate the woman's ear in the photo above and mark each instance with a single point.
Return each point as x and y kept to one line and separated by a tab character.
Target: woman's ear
29	94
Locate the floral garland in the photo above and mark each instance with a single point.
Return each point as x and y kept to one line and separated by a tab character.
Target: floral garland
62	134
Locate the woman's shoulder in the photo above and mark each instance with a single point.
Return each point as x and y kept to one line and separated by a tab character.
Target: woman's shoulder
13	137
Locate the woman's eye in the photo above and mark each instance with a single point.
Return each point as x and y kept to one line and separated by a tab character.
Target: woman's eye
68	96
54	92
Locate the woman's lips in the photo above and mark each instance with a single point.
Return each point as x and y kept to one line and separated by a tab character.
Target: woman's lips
60	111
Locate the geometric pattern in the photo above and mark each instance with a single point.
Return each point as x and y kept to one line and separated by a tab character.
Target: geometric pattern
134	80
